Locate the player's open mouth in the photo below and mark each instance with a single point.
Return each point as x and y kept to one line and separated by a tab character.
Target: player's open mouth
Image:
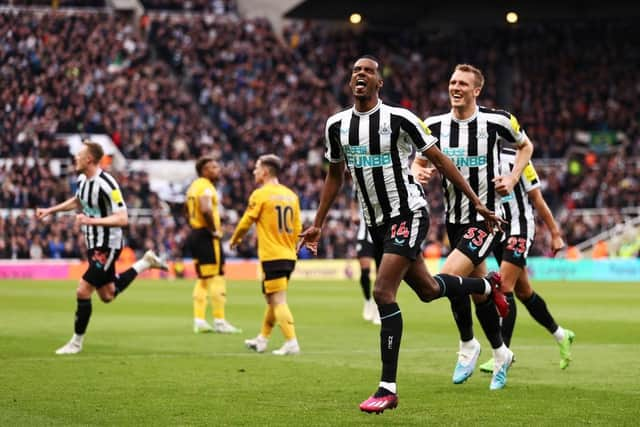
360	83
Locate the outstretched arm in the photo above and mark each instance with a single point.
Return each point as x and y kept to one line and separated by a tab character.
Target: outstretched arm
332	185
557	242
67	205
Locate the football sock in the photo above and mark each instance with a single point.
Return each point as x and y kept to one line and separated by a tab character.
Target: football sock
461	308
390	336
455	286
78	339
365	283
559	334
538	310
141	265
124	279
385	388
83	313
509	322
218	287
490	321
199	299
285	320
267	322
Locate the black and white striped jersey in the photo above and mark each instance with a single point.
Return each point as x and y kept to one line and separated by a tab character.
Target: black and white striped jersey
518	210
100	196
376	146
474	147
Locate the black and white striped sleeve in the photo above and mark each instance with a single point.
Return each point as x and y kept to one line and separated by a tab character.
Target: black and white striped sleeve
415	129
110	188
333	149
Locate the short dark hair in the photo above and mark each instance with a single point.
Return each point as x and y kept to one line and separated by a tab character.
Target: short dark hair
95	150
374	59
272	163
201	162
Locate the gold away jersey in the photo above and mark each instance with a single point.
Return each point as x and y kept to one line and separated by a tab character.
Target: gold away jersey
202	187
276	211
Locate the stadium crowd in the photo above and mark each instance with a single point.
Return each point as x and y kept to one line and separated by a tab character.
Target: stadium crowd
221	84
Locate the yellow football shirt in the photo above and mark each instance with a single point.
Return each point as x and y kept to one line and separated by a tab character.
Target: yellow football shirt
202	187
276	211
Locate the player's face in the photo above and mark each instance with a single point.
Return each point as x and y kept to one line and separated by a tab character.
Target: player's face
462	89
365	79
82	160
259	173
212	171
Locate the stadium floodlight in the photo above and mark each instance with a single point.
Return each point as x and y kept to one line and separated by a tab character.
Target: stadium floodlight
355	18
512	17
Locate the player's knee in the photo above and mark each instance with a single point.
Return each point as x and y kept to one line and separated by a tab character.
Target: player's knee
82	292
382	296
106	298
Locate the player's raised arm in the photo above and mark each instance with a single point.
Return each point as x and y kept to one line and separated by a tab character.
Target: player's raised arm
449	170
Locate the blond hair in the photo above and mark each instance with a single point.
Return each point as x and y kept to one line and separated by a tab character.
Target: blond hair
468	68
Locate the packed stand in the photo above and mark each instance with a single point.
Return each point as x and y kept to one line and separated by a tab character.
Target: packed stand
219	7
91	73
257	92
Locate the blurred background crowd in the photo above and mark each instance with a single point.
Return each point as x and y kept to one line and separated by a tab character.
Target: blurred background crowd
203	79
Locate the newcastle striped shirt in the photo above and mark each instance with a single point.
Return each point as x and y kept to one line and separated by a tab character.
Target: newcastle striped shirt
100	196
519	212
376	146
474	145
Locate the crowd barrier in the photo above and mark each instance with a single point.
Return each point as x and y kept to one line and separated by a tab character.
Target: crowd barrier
540	269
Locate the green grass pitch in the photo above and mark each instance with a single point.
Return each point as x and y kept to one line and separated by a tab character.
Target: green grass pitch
142	364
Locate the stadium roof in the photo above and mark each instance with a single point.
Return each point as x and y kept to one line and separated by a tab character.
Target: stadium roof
462	12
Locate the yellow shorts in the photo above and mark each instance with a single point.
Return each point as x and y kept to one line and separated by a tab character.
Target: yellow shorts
275	285
276	275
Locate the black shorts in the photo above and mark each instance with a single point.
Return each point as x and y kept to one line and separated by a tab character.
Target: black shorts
402	235
474	240
102	266
513	249
207	253
365	249
276	269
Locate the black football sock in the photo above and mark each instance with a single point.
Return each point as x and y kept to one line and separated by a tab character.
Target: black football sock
509	322
123	280
490	322
538	310
365	283
83	313
455	286
390	336
461	308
